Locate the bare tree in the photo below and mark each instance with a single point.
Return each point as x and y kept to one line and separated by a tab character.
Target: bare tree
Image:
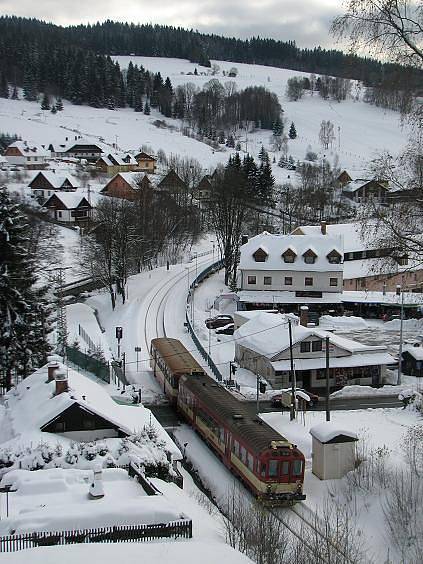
389	28
326	133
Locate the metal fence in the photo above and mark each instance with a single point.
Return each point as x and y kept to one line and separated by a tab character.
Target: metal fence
100	368
134	533
202	276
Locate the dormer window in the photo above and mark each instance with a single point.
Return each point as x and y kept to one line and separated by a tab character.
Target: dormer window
334	257
309	256
260	255
289	256
402	260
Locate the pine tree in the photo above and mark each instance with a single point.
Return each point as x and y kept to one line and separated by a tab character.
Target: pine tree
59	104
15	95
292	131
4	86
53	110
263	155
45	104
138	106
23	309
230	142
147	109
265	184
277	127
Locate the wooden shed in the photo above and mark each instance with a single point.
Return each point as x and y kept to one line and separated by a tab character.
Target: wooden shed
333	451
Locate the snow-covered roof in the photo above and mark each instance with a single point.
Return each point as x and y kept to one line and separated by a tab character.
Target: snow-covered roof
268	334
286	297
114	159
57	180
276	245
389	298
416	352
352	239
57	499
376	266
70	200
30	150
31	405
351	361
355	185
327	431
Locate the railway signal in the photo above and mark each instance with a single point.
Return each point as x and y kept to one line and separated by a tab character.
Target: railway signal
119	333
137	351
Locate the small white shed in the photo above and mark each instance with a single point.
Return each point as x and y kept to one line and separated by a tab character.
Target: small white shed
333	451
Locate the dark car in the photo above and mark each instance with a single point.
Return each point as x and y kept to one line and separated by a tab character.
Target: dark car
226	329
277	399
218	321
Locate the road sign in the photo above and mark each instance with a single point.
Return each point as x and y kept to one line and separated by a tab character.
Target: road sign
137	349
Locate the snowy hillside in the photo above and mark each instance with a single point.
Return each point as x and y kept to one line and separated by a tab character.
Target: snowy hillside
361	130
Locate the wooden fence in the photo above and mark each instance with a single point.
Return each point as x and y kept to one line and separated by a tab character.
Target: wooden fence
134	533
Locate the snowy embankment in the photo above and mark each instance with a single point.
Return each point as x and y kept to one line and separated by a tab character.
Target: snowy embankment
84	329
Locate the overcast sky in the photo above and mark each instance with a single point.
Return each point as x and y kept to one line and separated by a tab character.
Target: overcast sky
305	21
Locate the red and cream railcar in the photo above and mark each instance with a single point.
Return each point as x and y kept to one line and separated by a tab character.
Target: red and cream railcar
169	360
270	466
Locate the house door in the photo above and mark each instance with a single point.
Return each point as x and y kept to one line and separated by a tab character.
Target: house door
306	378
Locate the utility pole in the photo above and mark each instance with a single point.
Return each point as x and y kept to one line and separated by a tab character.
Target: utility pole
258	394
327	380
400	291
62	326
291	373
124	369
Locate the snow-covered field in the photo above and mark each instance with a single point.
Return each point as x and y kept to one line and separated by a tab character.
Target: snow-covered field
361	129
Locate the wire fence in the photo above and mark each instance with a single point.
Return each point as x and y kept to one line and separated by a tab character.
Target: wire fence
99	368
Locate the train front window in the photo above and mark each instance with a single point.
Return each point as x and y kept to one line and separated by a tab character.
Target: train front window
273	468
297	467
284	468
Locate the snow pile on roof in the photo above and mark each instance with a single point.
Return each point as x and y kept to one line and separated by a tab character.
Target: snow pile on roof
327	431
40	499
415	351
354	185
276	245
30	150
342	322
351	234
31	405
113	159
57	180
208	552
70	200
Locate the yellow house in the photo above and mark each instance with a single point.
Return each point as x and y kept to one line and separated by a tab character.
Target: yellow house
146	163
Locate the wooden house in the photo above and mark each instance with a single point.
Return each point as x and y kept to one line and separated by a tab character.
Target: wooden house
113	163
88	151
412	360
344	178
146	163
32	157
126	185
45	183
362	190
202	192
68	207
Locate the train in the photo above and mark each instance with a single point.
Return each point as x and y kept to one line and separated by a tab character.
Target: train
268	464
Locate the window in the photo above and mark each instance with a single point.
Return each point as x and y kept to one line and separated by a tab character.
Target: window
263	469
250	461
288	280
333	281
251	280
59	427
267	281
305	346
243	453
59	214
334	257
289	256
273	468
316	346
284	468
88	423
308	281
260	255
309	259
297	467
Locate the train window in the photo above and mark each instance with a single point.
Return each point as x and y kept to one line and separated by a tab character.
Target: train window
284	468
273	468
243	454
263	469
250	461
235	447
221	435
297	467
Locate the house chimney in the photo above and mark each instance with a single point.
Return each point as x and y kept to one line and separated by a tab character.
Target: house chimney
304	316
323	227
61	382
244	239
51	369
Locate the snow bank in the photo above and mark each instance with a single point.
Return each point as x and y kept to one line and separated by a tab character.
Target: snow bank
408	325
332	322
366	391
164	552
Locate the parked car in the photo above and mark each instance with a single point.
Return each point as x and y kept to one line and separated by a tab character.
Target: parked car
226	329
218	321
278	399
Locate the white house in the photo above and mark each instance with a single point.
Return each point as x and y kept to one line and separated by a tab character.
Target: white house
262	345
68	207
21	153
334	452
46	183
291	269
